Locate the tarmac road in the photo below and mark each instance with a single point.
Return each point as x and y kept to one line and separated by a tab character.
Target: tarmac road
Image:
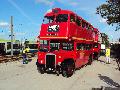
16	76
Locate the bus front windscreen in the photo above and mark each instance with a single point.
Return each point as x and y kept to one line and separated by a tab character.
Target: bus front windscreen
48	19
62	18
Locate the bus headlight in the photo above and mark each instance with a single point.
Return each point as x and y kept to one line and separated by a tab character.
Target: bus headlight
59	63
41	61
59	57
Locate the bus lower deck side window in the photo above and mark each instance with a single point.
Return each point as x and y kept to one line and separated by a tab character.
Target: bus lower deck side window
80	46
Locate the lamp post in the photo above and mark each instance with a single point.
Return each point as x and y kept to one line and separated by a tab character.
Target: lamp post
11	29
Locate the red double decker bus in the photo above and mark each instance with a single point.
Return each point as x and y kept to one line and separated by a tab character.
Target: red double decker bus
66	42
96	44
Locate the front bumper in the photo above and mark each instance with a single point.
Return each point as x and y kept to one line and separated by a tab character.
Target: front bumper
53	69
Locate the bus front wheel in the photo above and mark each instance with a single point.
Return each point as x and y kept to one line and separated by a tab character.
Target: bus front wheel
68	69
41	70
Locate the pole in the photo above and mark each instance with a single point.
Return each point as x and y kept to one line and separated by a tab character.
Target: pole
11	28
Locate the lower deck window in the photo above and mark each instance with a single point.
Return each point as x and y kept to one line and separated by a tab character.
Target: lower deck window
67	46
56	45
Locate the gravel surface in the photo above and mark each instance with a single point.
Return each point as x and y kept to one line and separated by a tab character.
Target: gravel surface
16	76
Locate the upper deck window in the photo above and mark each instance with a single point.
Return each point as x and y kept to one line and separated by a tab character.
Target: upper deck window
72	18
48	19
83	24
78	21
89	27
62	18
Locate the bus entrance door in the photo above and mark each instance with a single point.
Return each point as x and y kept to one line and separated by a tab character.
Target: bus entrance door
80	55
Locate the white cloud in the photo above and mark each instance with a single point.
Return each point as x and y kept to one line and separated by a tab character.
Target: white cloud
73	3
4	24
69	2
47	2
51	2
102	20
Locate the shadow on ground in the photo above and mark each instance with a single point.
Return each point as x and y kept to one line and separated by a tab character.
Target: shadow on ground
108	80
101	61
105	88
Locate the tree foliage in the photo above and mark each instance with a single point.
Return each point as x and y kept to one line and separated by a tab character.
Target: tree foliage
111	12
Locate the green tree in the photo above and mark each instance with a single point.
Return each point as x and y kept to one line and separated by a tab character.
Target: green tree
110	11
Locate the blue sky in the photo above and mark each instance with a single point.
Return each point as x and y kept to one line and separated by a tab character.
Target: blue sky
28	16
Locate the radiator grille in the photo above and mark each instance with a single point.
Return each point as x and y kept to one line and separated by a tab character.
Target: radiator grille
50	61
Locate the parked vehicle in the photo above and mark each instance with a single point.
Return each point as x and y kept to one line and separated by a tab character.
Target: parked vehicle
33	48
65	43
6	48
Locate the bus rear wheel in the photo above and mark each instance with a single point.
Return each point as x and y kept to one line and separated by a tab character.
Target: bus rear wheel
95	56
90	60
68	70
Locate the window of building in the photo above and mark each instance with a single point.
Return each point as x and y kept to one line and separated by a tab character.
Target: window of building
8	45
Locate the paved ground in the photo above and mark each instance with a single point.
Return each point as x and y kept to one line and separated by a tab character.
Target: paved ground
16	76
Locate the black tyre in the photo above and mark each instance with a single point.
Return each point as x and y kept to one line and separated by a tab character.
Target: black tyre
41	70
96	56
90	60
68	69
57	73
